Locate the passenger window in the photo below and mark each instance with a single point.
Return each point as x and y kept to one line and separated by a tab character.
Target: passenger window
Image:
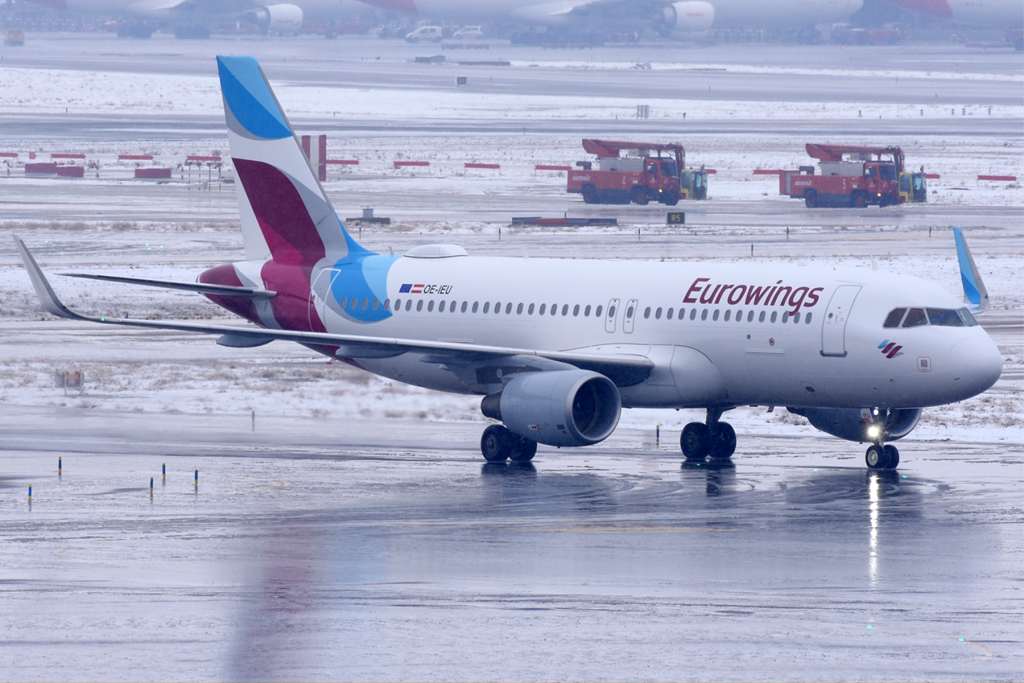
398	304
693	314
715	316
376	304
475	306
543	307
597	311
668	314
519	309
611	311
944	317
430	306
785	317
530	310
487	306
575	310
440	308
387	304
703	314
408	305
366	303
586	312
629	312
508	308
647	313
657	314
352	304
915	318
807	320
894	317
750	316
728	314
452	307
796	317
565	310
419	305
775	316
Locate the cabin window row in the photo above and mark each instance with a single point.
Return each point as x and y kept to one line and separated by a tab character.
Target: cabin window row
543	309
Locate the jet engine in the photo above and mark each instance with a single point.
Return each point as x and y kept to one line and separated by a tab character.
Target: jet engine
874	425
688	19
278	18
557	408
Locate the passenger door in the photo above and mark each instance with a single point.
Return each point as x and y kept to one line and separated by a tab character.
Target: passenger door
613	313
833	327
629	316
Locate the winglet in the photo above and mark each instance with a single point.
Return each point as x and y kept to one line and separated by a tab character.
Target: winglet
47	298
974	289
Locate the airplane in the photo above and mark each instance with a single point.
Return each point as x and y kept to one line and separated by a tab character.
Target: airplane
189	16
1001	13
557	348
681	20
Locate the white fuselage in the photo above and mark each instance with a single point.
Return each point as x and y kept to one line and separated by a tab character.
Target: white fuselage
814	339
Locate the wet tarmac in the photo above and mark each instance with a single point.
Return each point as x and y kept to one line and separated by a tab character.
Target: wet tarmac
312	550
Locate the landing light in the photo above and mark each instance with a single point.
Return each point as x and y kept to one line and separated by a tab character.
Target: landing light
874	431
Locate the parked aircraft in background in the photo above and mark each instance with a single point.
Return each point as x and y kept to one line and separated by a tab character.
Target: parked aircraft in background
191	17
679	19
998	13
557	347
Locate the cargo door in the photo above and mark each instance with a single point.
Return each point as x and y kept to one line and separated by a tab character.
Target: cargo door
613	312
629	316
833	327
318	295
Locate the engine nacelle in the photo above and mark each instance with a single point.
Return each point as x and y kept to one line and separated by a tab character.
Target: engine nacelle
279	18
862	425
557	408
688	19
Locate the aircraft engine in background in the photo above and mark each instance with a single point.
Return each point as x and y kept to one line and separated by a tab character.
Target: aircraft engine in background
557	408
688	20
864	425
282	18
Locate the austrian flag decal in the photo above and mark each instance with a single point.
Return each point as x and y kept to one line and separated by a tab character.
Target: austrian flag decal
890	349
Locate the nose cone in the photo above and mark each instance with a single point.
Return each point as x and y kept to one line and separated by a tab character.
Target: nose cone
975	364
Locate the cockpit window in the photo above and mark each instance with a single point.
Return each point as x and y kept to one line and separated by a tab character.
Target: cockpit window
915	318
944	317
894	318
966	316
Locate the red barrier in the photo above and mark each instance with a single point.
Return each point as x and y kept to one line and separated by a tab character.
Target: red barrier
48	168
71	171
399	164
193	157
135	157
9	155
152	173
471	165
342	162
711	171
67	156
932	176
767	171
550	167
1007	178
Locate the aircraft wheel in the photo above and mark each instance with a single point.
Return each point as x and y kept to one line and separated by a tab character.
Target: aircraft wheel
695	441
523	450
810	199
496	444
876	457
723	441
893	454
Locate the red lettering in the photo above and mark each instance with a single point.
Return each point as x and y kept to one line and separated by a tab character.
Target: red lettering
718	299
710	299
736	295
795	301
755	294
813	294
694	288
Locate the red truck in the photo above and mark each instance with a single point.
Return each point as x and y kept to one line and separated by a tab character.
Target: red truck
854	176
649	171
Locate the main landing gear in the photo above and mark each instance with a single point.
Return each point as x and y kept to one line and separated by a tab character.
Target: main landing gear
498	445
881	457
715	439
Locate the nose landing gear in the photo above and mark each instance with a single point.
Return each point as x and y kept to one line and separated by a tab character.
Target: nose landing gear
882	457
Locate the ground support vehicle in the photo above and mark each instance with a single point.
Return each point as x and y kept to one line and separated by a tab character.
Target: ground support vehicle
647	172
14	37
854	176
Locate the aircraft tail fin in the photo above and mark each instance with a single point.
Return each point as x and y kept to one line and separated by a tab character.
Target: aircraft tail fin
285	212
975	292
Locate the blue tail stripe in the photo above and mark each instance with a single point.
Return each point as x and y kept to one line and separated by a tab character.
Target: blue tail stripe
971	290
249	98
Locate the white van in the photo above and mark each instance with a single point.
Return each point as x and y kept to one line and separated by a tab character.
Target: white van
425	33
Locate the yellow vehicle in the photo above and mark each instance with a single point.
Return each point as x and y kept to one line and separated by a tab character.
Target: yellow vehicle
15	37
914	187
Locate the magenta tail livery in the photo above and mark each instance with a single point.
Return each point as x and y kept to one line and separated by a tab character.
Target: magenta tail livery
555	359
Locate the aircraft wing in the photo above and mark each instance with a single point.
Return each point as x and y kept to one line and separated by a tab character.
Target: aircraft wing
201	288
623	370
